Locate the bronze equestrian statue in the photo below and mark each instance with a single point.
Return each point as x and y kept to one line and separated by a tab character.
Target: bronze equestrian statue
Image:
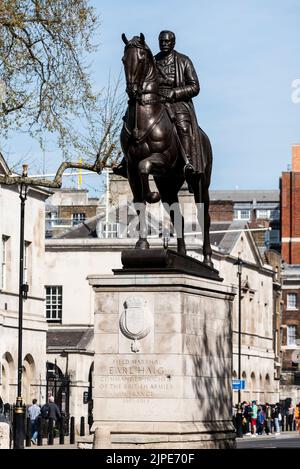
161	137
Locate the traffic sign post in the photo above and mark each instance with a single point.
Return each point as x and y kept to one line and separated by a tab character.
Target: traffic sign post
238	384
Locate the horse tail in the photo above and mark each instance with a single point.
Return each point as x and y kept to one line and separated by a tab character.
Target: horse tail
207	156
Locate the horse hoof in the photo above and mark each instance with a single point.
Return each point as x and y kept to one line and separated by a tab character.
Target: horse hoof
152	197
142	244
208	262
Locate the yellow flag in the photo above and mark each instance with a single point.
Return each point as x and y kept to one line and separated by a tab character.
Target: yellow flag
79	175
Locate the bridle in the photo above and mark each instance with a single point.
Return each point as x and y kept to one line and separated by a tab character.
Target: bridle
137	95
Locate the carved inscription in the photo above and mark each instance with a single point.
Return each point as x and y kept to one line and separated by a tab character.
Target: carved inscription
136	378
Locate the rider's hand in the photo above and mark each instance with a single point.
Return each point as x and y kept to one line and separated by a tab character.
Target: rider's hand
169	95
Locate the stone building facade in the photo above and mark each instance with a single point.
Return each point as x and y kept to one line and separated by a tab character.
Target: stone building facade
34	324
80	253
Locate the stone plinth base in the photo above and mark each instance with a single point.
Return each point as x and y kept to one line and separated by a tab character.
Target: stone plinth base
162	370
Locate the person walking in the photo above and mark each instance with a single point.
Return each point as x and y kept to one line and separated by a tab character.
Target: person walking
290	417
276	417
268	424
297	417
33	412
253	418
54	412
261	417
239	421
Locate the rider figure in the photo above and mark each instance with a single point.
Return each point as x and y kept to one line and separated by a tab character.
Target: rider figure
178	84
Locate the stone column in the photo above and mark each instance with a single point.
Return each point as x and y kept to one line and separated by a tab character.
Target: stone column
163	361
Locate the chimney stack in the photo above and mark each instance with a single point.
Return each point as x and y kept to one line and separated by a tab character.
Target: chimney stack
296	158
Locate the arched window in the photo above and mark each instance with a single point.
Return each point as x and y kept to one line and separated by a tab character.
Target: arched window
252	385
28	378
7	369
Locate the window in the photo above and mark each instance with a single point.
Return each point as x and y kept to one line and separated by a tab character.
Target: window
275	214
26	261
265	214
291	335
108	230
4	245
243	214
53	303
78	218
291	301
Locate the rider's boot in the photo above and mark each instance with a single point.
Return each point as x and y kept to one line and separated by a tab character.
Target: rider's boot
189	170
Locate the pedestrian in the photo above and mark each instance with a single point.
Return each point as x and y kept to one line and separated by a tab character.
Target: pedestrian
239	421
297	417
268	424
261	417
290	417
6	410
54	412
277	418
253	418
247	418
33	412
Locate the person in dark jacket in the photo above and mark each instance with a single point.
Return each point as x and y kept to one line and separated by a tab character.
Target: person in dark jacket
54	411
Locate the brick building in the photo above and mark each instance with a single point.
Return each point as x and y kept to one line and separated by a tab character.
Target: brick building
290	239
67	208
290	210
259	208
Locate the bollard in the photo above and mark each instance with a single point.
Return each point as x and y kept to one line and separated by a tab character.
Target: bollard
50	432
40	434
102	438
62	431
72	431
82	432
28	432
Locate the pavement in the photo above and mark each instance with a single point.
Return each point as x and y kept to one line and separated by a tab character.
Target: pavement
81	441
283	440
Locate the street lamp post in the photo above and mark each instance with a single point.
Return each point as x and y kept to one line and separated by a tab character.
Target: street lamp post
19	417
240	265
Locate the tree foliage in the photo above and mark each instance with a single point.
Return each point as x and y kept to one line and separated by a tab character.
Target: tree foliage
45	84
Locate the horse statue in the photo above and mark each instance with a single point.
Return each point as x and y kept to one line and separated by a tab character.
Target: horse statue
151	146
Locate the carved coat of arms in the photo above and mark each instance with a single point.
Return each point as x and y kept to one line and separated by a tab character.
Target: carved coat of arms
134	321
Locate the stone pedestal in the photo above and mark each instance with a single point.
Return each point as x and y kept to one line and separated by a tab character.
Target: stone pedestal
162	372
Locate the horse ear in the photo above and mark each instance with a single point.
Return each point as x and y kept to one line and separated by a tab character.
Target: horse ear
124	38
142	39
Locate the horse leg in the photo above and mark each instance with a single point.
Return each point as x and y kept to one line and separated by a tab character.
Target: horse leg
168	189
201	196
140	206
149	166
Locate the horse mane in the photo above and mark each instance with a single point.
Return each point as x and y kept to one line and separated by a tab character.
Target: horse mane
136	42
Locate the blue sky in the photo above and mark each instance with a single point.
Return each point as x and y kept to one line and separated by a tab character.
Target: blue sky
246	53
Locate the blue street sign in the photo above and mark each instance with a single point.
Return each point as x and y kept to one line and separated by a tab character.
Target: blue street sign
238	384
